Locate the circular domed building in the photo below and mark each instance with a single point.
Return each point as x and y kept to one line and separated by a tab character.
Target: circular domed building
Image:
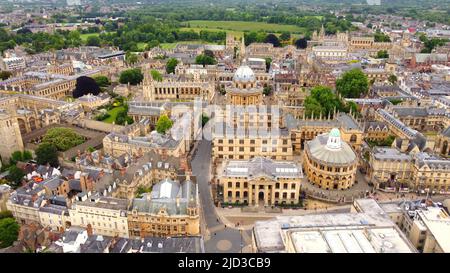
329	162
244	89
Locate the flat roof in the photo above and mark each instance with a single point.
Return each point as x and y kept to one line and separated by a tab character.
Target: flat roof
438	223
353	240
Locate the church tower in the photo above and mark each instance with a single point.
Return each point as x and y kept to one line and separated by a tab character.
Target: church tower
12	140
322	34
242	49
230	41
148	85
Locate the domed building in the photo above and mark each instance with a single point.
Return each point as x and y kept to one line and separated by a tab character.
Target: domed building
245	89
329	162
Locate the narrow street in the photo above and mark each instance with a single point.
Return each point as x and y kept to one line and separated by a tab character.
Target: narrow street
218	238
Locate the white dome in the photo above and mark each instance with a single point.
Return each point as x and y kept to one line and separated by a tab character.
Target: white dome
334	139
244	74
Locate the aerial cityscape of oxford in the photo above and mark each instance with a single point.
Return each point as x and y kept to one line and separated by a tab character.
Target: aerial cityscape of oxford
229	127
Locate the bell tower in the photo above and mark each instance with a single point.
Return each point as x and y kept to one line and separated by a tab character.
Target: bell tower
9	127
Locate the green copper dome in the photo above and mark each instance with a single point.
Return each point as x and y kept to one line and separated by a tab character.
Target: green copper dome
335	133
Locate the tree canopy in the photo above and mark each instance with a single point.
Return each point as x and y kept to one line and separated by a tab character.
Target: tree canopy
102	81
85	85
381	37
132	76
352	84
156	75
20	156
93	40
62	138
204	59
301	43
285	36
273	39
15	176
9	231
323	101
4	75
170	65
131	58
47	153
163	124
382	54
392	79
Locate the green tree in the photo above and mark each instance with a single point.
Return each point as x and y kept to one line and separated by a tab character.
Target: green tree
62	138
93	41
205	119
15	176
392	79
352	84
131	58
205	60
47	153
268	63
16	157
381	37
267	90
382	54
9	231
102	81
323	101
301	43
156	75
163	124
27	155
170	65
6	214
4	75
133	76
273	39
285	36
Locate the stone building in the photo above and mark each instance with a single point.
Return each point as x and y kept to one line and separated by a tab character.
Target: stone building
389	167
247	144
442	143
138	139
9	127
260	181
302	130
376	131
178	88
245	89
171	209
329	162
102	215
430	172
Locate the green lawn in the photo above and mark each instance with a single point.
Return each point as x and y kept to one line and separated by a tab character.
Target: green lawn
113	112
141	46
85	36
172	45
236	33
243	26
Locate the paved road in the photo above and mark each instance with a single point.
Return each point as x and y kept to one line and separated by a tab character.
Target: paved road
222	239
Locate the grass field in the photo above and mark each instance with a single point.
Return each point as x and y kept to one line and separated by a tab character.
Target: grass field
172	45
141	46
198	29
113	112
243	26
86	35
